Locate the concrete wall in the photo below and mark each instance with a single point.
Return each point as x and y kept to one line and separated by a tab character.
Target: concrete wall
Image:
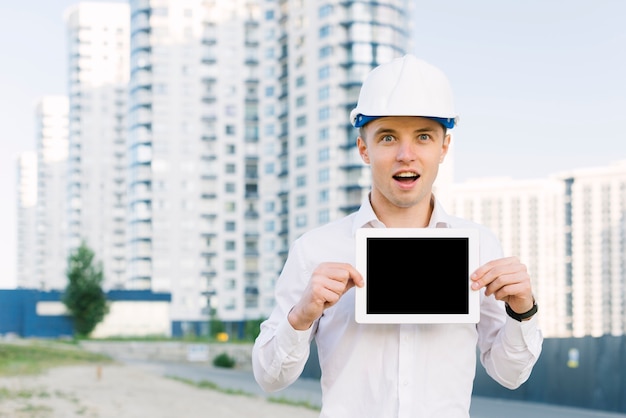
135	319
172	351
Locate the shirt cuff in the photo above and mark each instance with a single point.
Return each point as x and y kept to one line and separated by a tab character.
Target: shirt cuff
291	340
521	334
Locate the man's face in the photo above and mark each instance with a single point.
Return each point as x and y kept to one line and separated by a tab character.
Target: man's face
404	153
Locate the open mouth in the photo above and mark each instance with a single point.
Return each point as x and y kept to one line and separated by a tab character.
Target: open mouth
406	177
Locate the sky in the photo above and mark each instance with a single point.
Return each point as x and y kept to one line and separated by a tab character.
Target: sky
540	86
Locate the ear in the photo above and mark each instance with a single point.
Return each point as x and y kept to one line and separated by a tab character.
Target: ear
362	146
445	147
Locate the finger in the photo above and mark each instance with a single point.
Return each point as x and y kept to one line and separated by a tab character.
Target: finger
512	283
357	279
514	290
338	282
343	272
494	269
482	270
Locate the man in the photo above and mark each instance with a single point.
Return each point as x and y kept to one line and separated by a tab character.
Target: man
404	110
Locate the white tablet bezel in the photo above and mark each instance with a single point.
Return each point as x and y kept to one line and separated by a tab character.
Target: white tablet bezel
361	315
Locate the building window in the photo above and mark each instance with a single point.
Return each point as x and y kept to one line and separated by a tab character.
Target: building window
323	175
300	181
301	161
301	121
323	216
301	200
231	110
325	52
323	154
323	93
324	113
323	196
301	221
324	72
324	134
325	31
229	226
325	11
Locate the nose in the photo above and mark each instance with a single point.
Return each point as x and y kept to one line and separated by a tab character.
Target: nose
406	151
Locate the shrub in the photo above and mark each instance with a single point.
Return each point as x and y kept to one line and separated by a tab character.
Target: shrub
224	360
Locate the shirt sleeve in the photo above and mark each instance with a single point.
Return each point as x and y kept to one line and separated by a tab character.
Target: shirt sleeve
280	352
509	349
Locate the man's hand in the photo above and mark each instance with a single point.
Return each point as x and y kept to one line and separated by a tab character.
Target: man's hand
328	283
508	280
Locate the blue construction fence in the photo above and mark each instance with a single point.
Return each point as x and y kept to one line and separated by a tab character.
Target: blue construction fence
587	372
18	311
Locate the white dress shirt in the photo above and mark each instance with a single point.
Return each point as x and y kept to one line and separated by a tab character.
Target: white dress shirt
389	370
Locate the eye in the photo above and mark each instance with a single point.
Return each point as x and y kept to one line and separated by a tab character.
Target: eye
423	137
387	138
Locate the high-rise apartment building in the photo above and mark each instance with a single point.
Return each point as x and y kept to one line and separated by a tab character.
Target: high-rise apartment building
193	148
528	218
239	130
50	261
595	257
26	164
98	70
569	230
314	57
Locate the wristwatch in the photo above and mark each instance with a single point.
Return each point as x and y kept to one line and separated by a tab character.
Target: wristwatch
521	316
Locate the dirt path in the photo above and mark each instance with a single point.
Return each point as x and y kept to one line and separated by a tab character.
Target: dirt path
117	391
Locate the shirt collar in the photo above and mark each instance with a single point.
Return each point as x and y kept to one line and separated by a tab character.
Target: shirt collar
366	218
439	217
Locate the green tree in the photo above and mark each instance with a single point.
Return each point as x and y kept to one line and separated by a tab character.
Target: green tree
84	297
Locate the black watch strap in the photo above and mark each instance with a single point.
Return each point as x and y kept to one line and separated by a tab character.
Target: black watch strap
522	316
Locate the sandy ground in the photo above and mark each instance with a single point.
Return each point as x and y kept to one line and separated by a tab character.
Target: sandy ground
122	391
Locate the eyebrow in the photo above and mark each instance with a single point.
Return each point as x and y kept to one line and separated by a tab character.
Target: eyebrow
384	130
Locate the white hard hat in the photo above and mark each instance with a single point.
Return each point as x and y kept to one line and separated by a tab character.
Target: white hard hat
406	86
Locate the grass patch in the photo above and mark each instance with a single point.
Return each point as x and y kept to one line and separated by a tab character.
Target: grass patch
35	410
285	401
28	357
206	384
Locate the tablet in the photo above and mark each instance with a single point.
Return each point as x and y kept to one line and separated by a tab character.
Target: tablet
416	275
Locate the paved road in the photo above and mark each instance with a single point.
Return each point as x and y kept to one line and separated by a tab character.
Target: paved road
308	390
